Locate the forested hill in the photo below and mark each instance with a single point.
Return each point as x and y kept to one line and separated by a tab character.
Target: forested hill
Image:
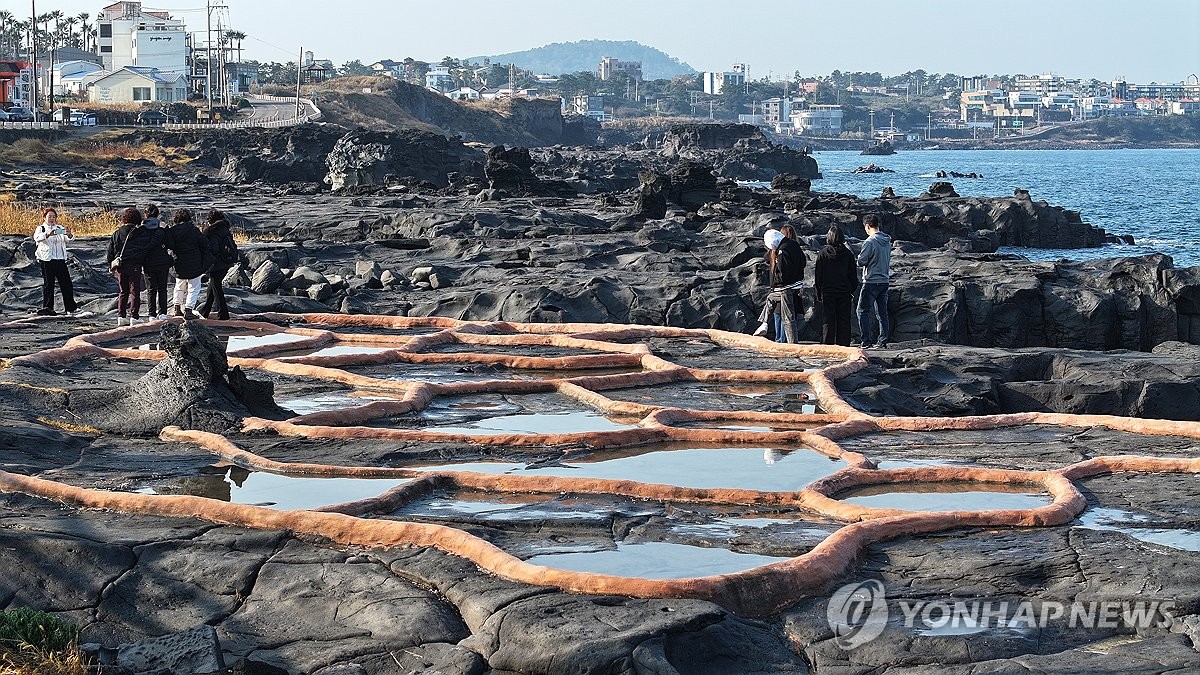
572	57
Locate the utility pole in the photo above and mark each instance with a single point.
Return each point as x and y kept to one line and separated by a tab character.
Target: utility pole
208	56
33	56
299	70
872	125
929	126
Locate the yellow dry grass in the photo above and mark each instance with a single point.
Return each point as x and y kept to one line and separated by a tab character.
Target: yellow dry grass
110	150
20	219
68	427
36	662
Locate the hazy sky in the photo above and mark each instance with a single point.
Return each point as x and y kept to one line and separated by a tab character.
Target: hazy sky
1143	41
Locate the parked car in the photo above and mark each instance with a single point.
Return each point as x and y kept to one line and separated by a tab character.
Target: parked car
82	119
148	117
20	115
3	116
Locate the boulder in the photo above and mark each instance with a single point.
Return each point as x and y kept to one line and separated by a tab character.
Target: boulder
693	185
364	158
193	387
267	279
651	202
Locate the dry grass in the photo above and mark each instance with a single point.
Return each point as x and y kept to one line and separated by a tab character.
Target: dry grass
37	643
21	219
68	427
102	151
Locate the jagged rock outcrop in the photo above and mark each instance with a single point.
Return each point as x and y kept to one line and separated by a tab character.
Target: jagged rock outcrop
951	381
512	172
193	388
738	151
373	158
290	155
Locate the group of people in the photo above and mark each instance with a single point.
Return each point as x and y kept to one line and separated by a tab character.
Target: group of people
142	254
839	274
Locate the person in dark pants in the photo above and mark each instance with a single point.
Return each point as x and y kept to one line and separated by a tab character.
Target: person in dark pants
127	251
835	280
51	239
157	266
225	255
875	259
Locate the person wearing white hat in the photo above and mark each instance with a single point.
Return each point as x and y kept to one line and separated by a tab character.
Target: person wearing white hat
786	263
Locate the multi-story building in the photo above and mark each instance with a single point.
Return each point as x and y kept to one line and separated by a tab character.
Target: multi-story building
715	82
439	79
131	36
1045	85
979	103
818	120
589	106
610	66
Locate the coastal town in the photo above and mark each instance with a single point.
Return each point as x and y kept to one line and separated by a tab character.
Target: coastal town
323	352
96	67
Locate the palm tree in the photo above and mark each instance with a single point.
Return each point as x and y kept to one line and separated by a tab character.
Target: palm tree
84	28
236	36
69	36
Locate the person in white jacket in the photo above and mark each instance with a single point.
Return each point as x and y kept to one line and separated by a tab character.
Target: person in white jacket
51	238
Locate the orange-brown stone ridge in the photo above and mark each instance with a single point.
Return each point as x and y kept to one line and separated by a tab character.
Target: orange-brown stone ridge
755	592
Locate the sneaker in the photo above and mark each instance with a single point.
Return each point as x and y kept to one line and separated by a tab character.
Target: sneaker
83	314
161	317
761	330
46	312
882	344
122	321
133	321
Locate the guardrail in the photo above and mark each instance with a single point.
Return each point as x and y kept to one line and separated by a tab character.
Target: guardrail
309	112
33	125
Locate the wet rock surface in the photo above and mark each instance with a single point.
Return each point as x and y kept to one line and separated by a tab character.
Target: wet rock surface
301	605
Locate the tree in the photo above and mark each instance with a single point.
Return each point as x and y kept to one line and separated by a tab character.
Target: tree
85	30
355	67
236	36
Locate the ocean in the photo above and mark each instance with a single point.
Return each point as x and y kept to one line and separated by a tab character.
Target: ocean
1150	194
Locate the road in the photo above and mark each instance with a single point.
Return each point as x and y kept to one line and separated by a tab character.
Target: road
266	110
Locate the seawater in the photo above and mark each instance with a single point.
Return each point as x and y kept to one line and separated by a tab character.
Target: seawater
1149	194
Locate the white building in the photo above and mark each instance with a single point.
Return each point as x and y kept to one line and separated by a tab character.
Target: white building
131	36
71	78
439	79
818	120
139	85
589	106
715	83
464	94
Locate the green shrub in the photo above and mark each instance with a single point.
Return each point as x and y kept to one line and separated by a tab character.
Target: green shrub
39	630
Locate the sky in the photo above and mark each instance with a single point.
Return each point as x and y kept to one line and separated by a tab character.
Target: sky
1149	40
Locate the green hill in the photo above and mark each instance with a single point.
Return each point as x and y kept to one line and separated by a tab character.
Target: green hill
572	57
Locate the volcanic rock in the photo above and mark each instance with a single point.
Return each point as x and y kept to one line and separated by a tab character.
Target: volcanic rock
193	388
368	158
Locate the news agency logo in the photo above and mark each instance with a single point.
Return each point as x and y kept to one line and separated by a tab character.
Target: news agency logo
858	612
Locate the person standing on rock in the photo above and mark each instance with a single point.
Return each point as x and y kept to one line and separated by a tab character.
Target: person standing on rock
835	279
156	266
127	250
51	238
875	259
225	256
193	256
786	263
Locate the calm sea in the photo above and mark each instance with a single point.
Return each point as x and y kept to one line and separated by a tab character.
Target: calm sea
1153	195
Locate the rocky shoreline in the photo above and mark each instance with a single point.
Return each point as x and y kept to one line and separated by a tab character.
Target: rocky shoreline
658	233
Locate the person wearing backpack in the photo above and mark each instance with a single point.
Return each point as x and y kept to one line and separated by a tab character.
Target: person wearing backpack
127	250
193	256
225	256
157	266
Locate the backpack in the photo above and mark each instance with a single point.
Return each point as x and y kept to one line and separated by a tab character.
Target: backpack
227	251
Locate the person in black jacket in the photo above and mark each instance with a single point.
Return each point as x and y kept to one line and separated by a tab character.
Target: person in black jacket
225	255
193	257
835	280
157	265
127	249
